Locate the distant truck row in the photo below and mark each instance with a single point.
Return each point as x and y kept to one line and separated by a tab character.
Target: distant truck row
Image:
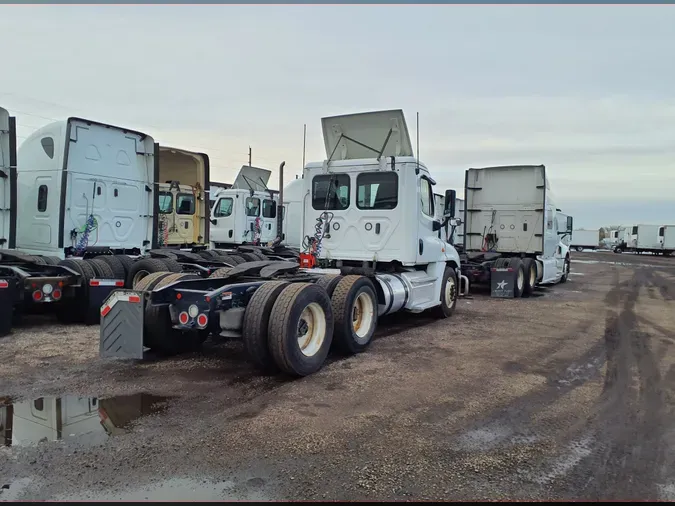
656	239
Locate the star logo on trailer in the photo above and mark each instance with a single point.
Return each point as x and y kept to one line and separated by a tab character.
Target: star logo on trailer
501	285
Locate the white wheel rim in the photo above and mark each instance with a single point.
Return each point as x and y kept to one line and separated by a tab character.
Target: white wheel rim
363	312
449	292
533	276
140	275
311	329
520	279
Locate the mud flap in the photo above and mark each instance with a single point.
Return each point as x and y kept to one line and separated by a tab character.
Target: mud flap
121	334
8	297
99	290
502	282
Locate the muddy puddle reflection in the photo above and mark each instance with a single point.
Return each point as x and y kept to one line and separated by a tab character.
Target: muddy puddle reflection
87	420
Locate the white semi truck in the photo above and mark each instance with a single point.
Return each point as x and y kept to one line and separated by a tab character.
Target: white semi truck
511	230
585	239
245	213
373	249
644	238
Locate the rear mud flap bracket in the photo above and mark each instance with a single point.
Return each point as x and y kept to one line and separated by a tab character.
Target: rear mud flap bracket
121	334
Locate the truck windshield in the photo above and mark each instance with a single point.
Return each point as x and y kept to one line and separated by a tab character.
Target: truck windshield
185	203
330	192
165	203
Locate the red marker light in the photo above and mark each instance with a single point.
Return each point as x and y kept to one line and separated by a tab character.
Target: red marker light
202	320
183	318
37	295
56	294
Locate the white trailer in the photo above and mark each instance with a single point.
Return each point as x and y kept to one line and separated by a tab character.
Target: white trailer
511	224
246	213
585	239
373	249
643	238
669	239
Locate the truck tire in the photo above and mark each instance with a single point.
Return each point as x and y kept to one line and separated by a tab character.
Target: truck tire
229	260
159	334
51	260
142	268
36	259
127	262
301	308
566	270
579	248
329	282
118	270
162	253
448	295
238	259
102	269
530	267
171	264
148	282
517	265
354	304
256	325
74	310
250	257
220	273
259	255
205	254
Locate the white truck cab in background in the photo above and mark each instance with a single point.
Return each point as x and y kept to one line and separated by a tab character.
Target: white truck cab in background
8	193
370	210
84	184
246	213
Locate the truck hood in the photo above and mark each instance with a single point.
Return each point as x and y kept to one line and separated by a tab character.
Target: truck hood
252	178
363	135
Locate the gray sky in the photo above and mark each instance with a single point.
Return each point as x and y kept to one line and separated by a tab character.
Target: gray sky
589	91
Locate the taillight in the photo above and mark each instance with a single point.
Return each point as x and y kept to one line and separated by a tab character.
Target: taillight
119	283
202	320
4	283
183	318
193	311
37	295
56	294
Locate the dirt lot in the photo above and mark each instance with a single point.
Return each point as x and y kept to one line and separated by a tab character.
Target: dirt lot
567	395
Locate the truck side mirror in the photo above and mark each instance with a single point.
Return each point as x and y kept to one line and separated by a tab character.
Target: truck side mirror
436	225
213	221
450	197
570	224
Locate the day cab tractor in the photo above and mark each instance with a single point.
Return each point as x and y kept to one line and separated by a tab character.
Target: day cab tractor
375	245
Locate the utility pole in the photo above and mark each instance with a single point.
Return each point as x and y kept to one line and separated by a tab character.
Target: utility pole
249	157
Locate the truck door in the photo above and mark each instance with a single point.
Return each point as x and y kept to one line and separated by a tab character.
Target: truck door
428	243
222	230
253	222
269	220
186	206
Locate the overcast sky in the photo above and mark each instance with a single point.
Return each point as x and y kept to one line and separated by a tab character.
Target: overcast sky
589	91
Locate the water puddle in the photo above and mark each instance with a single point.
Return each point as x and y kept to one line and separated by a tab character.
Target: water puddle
180	489
87	420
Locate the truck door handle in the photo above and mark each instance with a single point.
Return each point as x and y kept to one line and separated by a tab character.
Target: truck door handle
377	228
421	246
185	224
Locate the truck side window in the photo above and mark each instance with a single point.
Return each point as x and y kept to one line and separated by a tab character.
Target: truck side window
224	208
48	146
269	209
165	202
426	197
252	206
185	203
43	192
634	231
330	192
661	230
377	190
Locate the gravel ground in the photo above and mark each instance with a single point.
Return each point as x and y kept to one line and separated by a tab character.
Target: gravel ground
567	395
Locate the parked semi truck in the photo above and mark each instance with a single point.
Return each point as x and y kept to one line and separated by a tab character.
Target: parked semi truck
35	277
644	238
585	239
183	198
246	213
511	239
372	239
